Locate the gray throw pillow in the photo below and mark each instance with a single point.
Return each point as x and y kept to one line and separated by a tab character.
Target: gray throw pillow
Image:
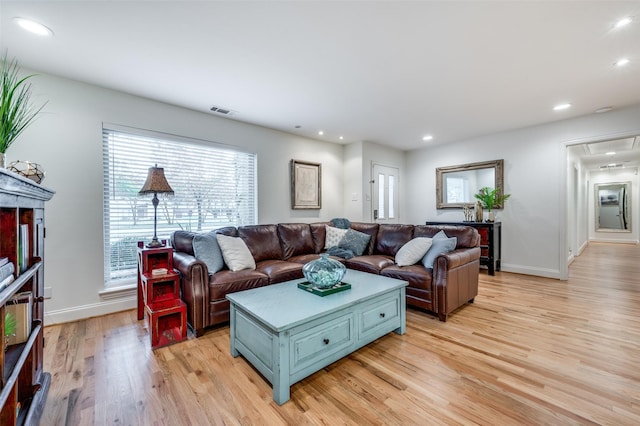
207	249
440	244
355	241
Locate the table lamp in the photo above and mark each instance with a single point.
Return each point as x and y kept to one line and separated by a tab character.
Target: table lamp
156	184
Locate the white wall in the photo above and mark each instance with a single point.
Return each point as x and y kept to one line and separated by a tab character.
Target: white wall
353	189
534	218
373	153
359	160
67	142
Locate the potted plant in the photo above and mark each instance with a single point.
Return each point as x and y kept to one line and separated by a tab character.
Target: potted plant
491	198
16	109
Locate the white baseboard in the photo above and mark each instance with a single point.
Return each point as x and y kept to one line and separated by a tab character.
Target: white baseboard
608	240
87	311
583	247
528	270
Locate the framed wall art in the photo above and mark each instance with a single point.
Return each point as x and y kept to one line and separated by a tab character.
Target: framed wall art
306	185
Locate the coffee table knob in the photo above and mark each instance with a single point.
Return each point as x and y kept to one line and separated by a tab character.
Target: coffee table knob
326	341
382	315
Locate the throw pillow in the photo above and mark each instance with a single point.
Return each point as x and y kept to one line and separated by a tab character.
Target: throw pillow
413	251
235	252
333	237
206	249
440	244
355	241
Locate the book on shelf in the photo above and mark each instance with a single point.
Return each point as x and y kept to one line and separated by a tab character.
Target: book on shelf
20	306
6	270
23	248
6	275
5	282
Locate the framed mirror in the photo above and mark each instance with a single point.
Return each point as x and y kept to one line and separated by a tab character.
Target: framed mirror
613	208
456	185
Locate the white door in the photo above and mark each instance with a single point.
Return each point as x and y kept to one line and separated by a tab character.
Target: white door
385	193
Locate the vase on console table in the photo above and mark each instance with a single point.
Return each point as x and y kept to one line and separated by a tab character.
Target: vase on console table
491	217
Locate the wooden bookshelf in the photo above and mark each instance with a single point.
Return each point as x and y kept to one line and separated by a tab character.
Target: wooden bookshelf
23	383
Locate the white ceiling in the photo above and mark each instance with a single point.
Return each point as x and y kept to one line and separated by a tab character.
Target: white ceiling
386	71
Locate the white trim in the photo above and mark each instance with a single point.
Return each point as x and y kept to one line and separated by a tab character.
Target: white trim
528	270
582	248
88	311
609	240
125	291
564	197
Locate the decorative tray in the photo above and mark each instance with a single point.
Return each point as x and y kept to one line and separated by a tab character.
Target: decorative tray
307	286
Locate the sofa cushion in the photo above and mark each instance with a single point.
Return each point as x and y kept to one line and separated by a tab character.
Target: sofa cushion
280	270
355	241
295	239
466	235
262	240
333	236
391	237
183	240
206	249
440	244
416	275
318	233
370	263
235	252
226	281
370	229
413	251
306	258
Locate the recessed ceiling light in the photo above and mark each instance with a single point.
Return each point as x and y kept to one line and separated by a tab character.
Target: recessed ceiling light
610	153
427	138
321	133
341	138
621	62
560	107
624	21
34	27
604	109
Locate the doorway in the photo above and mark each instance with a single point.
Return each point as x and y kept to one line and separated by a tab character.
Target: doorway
385	200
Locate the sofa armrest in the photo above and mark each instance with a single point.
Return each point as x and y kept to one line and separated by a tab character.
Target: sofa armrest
194	282
455	279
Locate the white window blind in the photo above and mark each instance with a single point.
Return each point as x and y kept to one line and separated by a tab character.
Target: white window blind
214	186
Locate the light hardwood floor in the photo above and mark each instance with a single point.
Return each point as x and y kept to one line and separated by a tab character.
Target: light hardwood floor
528	351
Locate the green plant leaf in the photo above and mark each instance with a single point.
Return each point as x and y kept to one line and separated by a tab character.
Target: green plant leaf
16	110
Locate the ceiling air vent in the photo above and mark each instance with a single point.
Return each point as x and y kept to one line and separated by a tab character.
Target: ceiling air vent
222	111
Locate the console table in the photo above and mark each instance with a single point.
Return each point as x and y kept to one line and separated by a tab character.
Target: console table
490	242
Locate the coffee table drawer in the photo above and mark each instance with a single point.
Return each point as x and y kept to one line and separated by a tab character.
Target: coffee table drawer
379	315
320	342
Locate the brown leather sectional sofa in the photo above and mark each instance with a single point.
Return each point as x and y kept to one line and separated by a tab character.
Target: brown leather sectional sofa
281	250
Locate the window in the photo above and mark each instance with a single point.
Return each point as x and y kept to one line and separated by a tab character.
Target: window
214	186
457	190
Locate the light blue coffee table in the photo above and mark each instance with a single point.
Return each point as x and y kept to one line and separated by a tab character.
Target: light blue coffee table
288	333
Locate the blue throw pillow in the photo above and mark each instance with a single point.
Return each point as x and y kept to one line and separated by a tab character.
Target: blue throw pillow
207	249
440	244
355	241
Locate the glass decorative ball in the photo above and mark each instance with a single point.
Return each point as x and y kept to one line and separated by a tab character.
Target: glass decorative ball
324	272
27	169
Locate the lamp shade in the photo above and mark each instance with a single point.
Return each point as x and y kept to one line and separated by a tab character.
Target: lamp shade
156	182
